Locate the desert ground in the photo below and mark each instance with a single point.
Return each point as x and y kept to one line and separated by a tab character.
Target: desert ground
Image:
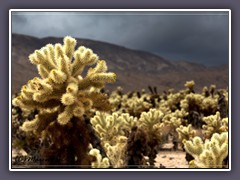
167	157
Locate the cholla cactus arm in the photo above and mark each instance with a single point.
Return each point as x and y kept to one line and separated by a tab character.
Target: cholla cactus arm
194	147
174	119
99	122
61	85
192	102
82	57
110	130
211	154
100	162
209	103
186	133
224	127
214	124
212	89
150	118
205	91
116	152
129	121
151	122
190	85
168	119
108	127
173	100
216	151
135	105
31	125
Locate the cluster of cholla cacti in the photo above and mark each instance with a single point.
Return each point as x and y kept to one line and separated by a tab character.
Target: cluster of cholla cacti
65	119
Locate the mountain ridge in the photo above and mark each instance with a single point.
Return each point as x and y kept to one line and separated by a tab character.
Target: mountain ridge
135	69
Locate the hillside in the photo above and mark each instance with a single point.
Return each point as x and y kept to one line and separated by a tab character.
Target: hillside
135	69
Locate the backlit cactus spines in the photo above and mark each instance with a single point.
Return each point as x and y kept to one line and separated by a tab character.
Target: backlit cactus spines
31	125
191	100
151	118
175	119
99	162
185	132
129	121
59	84
190	85
210	154
214	124
108	127
151	122
116	152
194	147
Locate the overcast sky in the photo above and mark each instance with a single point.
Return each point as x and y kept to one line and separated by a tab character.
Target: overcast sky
201	37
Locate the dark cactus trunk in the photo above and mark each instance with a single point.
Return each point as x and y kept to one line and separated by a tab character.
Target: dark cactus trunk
136	148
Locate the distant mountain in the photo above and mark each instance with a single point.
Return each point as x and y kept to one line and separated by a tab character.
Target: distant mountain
135	69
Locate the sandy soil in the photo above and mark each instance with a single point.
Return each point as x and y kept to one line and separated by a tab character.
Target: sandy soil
171	159
167	157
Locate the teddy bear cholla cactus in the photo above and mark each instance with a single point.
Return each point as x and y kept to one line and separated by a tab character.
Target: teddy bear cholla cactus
210	154
61	87
185	132
112	130
151	123
62	97
215	124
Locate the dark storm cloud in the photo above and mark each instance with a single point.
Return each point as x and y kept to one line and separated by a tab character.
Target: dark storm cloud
193	36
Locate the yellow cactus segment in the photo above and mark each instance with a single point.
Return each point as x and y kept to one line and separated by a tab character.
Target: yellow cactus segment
72	88
43	72
58	76
78	111
116	152
51	54
194	147
69	46
107	126
210	154
17	101
149	119
26	93
39	97
82	57
129	121
68	99
103	77
192	164
33	59
174	119
185	132
31	125
100	162
59	52
65	116
189	85
65	65
151	122
191	99
100	68
41	57
214	124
